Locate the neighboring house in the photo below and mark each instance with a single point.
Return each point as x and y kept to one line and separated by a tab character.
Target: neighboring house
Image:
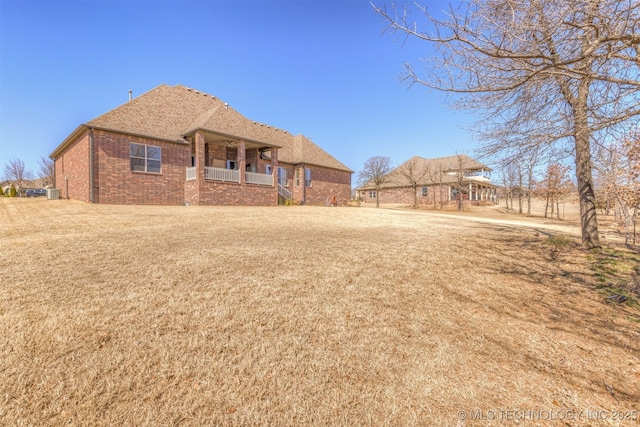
174	145
441	180
27	184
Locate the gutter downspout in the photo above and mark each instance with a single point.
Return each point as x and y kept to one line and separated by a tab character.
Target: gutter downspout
91	165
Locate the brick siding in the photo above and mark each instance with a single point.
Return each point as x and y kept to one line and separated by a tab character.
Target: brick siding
72	171
115	183
325	183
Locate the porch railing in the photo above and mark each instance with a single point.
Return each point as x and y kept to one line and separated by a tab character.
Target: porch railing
220	174
283	192
259	178
191	173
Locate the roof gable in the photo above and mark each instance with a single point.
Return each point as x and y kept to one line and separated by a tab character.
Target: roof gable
164	112
170	112
447	165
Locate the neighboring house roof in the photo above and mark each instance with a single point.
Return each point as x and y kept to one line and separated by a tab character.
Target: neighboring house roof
170	113
438	170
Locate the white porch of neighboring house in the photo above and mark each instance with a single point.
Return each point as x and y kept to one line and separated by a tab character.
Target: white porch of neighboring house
225	169
477	191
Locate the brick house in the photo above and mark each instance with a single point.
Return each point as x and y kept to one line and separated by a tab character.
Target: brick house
440	181
174	145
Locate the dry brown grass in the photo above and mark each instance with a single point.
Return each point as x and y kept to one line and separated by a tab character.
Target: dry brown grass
115	315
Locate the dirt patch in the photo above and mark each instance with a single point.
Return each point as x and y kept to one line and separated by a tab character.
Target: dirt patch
114	315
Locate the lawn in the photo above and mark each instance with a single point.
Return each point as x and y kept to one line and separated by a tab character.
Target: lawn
115	315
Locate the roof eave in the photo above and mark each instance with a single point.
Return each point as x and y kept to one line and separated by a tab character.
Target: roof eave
345	169
83	127
228	135
67	141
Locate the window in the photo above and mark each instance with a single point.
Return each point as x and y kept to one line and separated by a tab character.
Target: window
425	191
268	170
145	158
307	177
372	194
231	164
297	177
282	177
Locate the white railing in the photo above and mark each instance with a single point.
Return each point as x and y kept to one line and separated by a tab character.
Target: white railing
259	178
191	173
284	192
479	178
220	174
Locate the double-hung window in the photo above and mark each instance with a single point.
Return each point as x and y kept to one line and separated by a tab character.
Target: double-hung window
146	158
307	177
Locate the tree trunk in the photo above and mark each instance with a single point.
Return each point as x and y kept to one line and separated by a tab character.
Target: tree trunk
520	203
546	207
586	192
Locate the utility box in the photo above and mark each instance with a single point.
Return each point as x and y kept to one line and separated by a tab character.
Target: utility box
53	194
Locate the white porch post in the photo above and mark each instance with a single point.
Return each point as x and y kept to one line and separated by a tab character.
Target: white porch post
242	160
274	166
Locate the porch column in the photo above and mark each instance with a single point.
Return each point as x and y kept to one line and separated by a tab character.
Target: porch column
470	189
274	166
199	154
198	141
242	160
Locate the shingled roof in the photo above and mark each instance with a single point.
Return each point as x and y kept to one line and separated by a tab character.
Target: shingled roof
448	165
171	112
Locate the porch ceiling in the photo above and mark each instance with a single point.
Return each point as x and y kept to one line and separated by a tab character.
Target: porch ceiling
233	141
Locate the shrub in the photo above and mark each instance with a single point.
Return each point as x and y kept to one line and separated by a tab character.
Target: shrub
558	245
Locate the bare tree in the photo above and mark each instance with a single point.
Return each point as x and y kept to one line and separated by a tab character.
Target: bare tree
47	171
375	174
16	172
618	173
518	175
554	187
509	183
414	174
538	72
460	185
436	175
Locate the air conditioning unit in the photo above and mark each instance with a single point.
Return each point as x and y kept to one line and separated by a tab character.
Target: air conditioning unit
53	194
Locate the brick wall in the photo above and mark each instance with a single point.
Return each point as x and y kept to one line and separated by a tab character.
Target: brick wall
72	171
405	196
233	194
325	183
116	183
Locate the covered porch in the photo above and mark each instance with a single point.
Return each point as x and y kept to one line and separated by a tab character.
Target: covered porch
479	191
227	170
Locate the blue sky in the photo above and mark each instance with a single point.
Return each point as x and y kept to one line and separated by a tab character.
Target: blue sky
320	68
